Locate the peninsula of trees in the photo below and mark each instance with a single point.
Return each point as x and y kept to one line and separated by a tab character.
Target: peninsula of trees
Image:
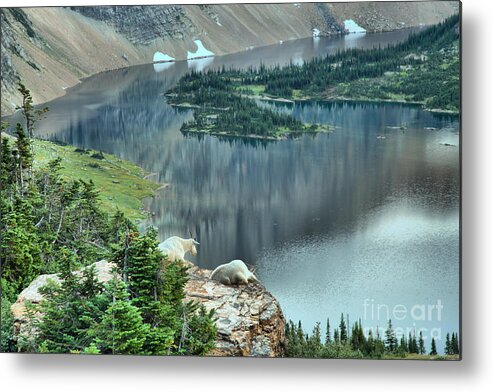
423	69
221	109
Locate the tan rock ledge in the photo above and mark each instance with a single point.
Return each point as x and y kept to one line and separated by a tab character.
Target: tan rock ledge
249	319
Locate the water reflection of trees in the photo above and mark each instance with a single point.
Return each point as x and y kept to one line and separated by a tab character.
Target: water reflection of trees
239	198
242	195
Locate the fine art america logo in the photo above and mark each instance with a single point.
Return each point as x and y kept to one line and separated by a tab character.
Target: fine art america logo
380	313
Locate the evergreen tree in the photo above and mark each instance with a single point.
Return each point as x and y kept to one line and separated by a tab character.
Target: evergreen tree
7	343
30	114
433	350
422	349
70	309
358	339
328	338
19	248
403	345
336	336
314	343
454	344
390	338
121	330
156	288
342	330
413	344
448	348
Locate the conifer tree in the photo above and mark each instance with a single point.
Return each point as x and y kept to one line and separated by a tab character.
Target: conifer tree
300	334
336	337
121	330
433	349
30	114
370	343
403	345
454	344
358	339
70	309
314	343
343	330
390	338
328	338
448	348
422	349
412	344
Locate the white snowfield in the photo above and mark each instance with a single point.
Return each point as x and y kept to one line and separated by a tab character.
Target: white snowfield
158	57
316	32
200	52
352	27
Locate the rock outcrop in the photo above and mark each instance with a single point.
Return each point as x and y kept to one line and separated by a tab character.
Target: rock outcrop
142	24
249	319
32	295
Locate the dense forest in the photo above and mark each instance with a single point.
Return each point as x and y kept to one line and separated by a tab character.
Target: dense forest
342	342
423	69
51	224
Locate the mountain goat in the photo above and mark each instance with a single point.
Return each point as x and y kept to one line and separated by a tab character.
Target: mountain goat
233	273
175	247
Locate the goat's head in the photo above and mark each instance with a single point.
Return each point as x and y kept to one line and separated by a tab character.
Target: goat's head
193	247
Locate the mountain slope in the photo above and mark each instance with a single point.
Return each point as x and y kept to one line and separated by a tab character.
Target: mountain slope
51	49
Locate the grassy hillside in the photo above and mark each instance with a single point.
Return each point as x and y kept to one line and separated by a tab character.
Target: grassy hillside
120	182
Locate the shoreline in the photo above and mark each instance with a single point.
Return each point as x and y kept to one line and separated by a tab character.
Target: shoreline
8	111
281	136
356	100
284	136
341	98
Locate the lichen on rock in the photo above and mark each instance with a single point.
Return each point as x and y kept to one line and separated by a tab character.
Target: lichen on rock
249	319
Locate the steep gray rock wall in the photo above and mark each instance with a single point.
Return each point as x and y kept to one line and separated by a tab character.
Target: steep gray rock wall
142	24
10	47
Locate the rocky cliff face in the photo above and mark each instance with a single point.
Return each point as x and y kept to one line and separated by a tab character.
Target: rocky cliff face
249	319
141	25
51	49
11	22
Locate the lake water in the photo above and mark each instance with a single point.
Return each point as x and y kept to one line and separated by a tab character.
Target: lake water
359	221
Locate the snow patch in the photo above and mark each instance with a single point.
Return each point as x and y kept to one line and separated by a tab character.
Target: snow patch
352	27
316	33
200	52
158	57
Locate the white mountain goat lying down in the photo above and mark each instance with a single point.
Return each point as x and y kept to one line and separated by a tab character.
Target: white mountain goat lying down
176	248
233	273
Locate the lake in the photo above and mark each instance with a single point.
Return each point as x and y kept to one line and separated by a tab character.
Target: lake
364	220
